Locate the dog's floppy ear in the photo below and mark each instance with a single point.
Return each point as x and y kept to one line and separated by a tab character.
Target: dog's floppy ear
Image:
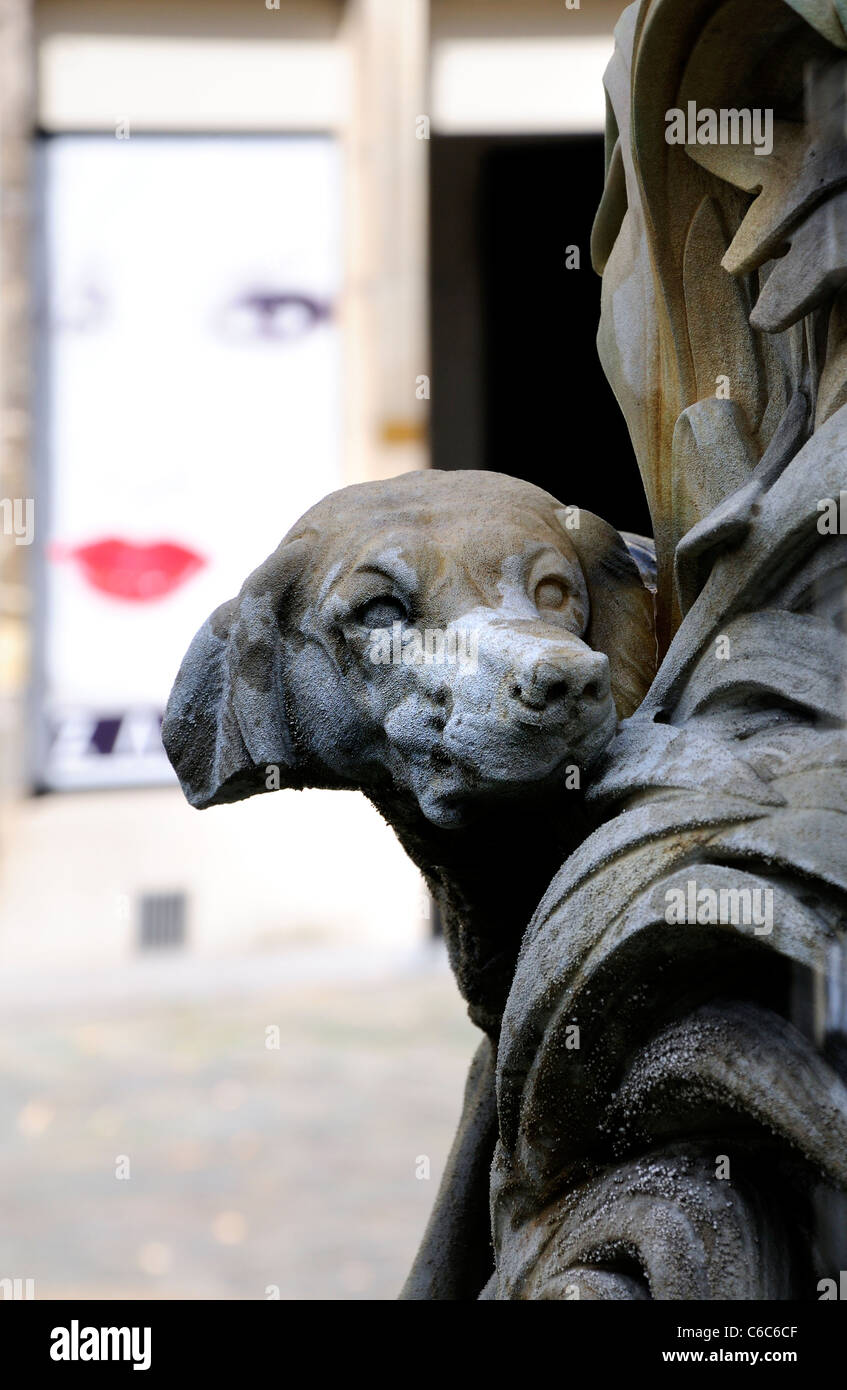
225	724
622	619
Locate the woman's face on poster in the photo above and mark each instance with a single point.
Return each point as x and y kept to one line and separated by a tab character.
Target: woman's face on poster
192	387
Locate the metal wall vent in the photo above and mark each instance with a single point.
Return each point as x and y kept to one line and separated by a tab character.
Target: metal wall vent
161	920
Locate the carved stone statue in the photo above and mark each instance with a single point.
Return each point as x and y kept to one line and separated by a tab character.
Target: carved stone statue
657	1108
678	1151
460	647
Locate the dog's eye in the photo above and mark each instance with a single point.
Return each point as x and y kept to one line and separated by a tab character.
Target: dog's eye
550	593
381	612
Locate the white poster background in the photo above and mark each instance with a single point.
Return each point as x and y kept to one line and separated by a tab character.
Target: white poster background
192	396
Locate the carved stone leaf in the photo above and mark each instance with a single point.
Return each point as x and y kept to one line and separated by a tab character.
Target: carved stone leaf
796	177
832	387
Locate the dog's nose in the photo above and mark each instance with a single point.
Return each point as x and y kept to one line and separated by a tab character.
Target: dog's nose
568	681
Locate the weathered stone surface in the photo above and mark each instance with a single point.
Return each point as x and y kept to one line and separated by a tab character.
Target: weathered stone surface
662	1084
477	760
683	1141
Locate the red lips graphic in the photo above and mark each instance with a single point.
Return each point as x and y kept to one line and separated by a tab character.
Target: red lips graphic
126	570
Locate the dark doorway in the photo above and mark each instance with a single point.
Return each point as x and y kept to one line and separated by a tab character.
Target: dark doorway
517	385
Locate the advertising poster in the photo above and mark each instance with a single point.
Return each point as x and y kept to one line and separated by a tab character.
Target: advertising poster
190	395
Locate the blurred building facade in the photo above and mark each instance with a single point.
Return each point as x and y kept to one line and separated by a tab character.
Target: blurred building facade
90	876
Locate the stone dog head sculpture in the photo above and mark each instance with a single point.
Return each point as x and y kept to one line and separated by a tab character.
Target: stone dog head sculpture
458	646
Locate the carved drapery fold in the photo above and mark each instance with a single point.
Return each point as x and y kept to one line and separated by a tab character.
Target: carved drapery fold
677	1150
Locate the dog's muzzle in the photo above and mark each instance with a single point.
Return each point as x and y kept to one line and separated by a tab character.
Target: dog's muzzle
531	703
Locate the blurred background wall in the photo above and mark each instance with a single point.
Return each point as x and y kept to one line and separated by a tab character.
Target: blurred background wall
250	253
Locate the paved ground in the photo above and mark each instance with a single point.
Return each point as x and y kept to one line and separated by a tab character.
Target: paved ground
249	1166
